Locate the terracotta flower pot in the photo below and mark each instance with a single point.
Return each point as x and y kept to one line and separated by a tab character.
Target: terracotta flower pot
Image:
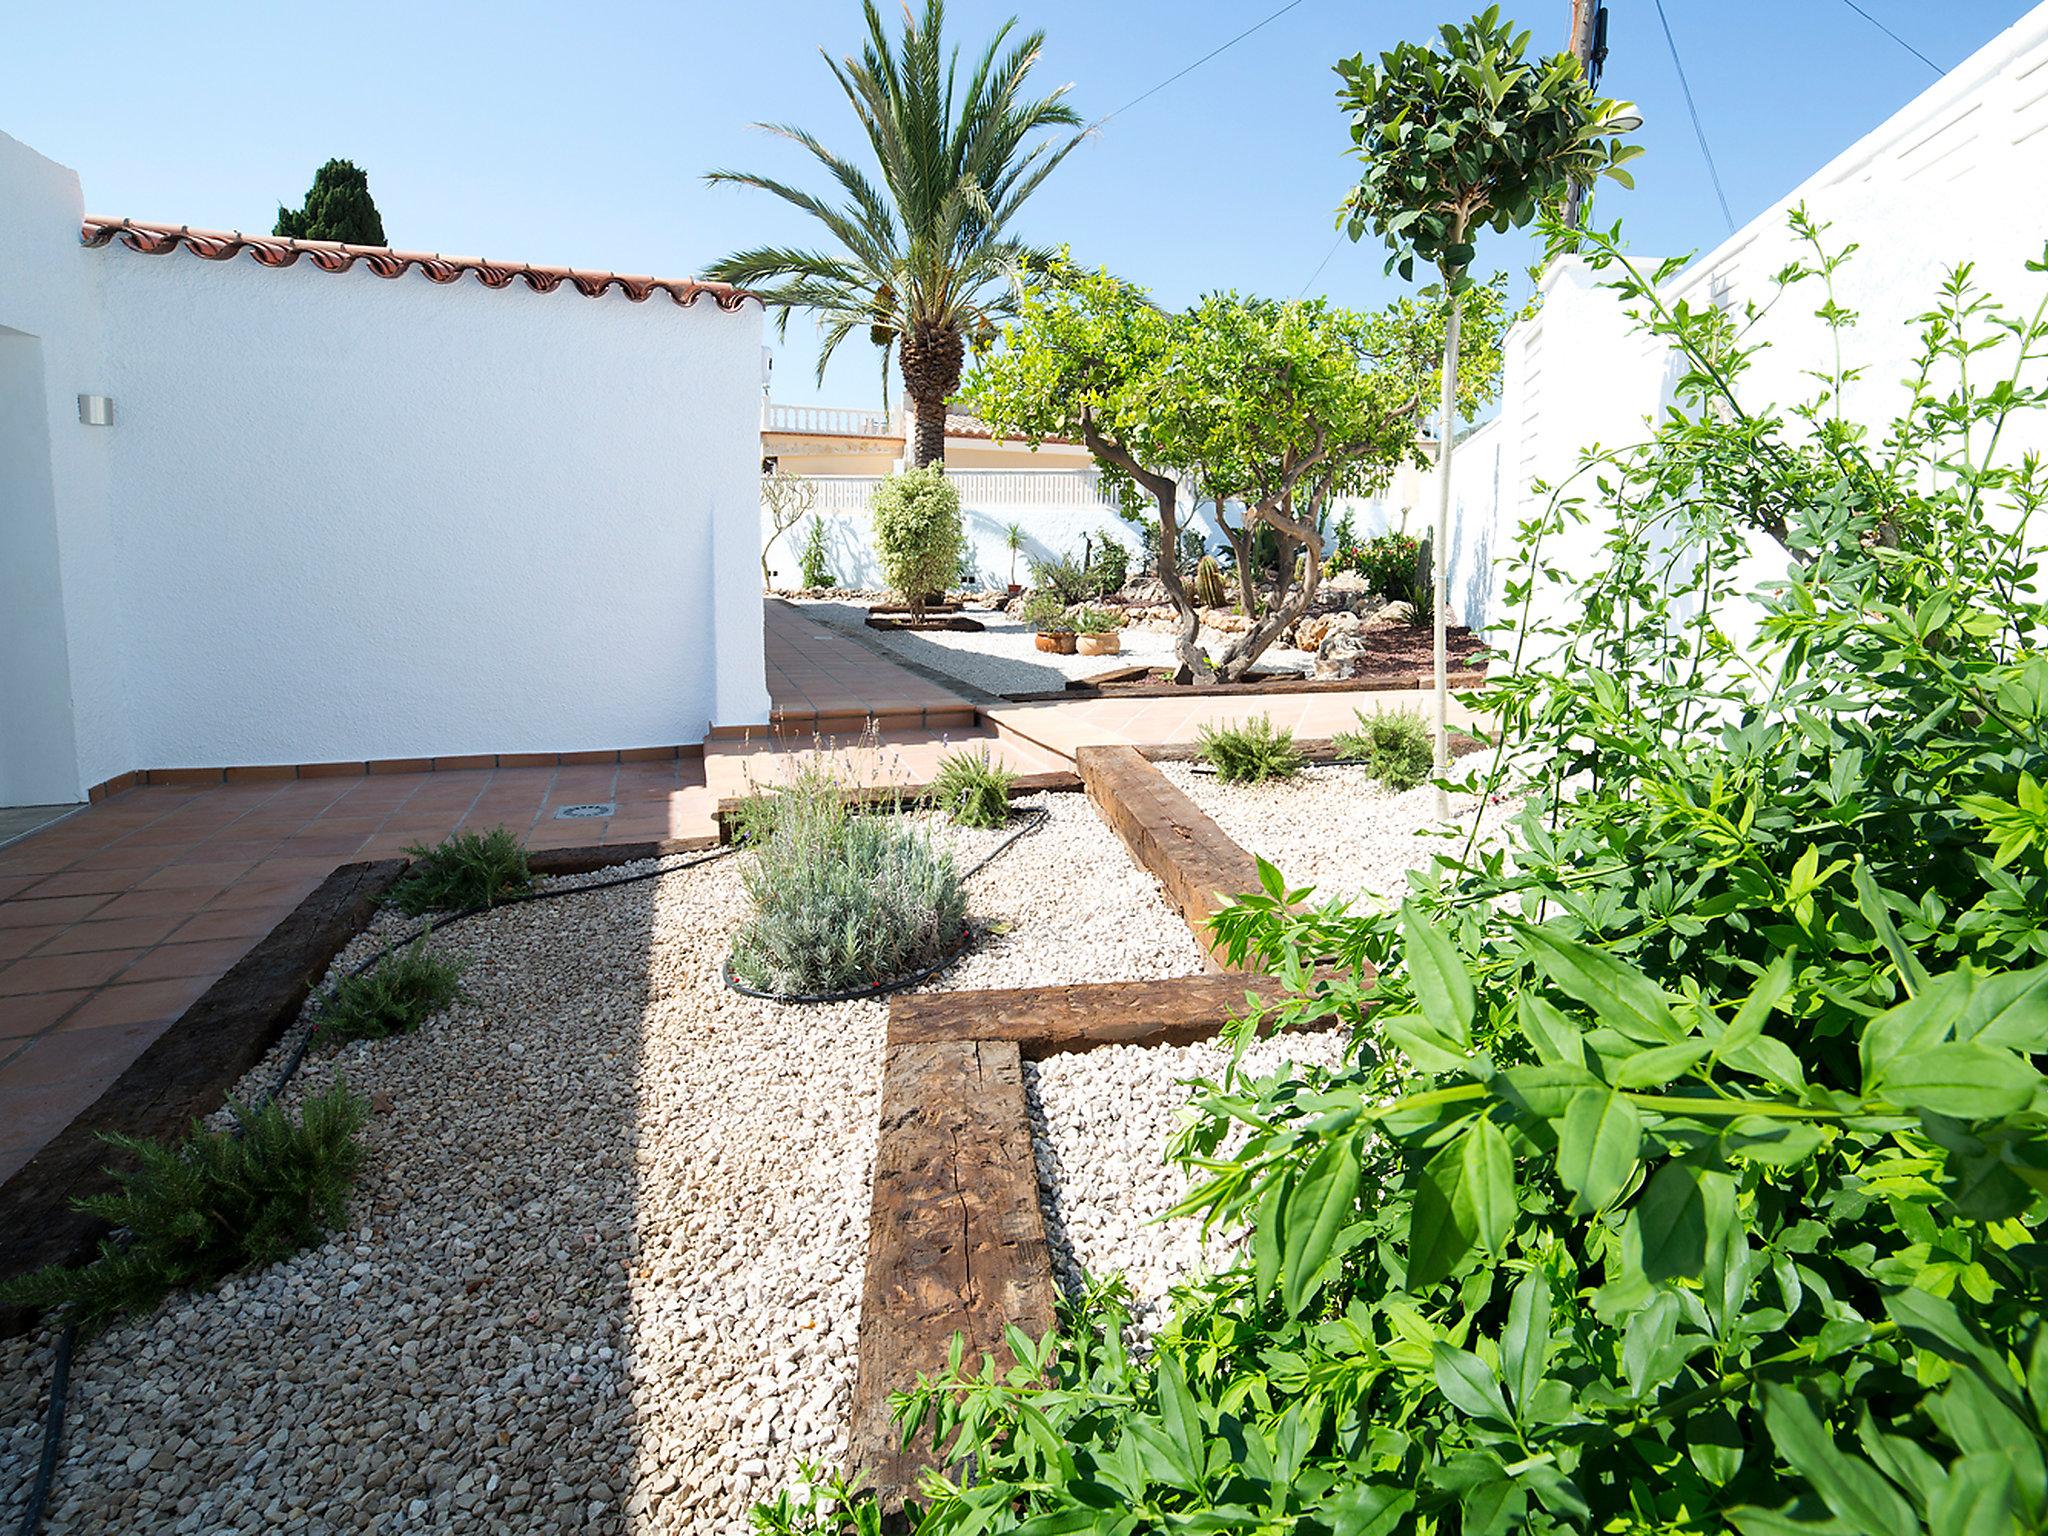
1015	589
1105	642
1059	641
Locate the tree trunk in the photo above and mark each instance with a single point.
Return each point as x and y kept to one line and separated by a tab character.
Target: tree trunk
931	360
1243	653
1440	551
1194	665
929	442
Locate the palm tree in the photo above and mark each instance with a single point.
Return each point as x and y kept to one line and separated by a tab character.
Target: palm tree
924	262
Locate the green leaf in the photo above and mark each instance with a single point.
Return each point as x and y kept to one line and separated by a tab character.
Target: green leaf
1488	1185
1964	1081
1317	1209
1465	1197
1670	1223
1369	1509
1525	1346
1849	1485
1443	987
1467	1384
1979	1498
1622	997
1597	1145
1659	1064
1556	1038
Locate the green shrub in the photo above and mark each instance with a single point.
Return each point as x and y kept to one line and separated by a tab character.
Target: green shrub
393	997
973	789
214	1203
840	899
816	567
1395	747
1062	578
917	533
1043	610
470	869
1688	1177
1110	568
1387	562
1093	621
1250	753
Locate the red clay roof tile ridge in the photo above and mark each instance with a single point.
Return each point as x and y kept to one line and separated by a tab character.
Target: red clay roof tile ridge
334	256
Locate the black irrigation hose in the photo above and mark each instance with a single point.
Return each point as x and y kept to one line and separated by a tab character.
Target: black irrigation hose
60	1372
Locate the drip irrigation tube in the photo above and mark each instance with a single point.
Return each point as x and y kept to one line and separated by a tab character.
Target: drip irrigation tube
67	1341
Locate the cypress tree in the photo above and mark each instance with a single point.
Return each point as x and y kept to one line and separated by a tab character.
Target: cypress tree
338	207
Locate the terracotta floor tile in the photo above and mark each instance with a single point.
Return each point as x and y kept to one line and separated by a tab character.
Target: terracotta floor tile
210	959
264	893
34	1013
58	972
138	1003
41	912
213	873
16	942
113	933
152	903
249	923
87	1058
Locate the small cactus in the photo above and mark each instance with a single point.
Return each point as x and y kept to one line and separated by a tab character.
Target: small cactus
1209	591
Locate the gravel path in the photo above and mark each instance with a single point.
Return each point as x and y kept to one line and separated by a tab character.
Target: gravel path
1004	658
1100	1122
1333	827
603	1272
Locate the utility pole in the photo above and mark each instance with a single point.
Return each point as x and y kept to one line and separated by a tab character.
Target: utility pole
1588	44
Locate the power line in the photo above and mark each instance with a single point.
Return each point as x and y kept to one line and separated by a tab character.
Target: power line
1321	264
1190	69
1888	32
1699	132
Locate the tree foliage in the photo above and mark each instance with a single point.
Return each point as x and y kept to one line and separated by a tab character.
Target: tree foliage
1689	1172
1281	407
338	206
1469	135
917	533
924	262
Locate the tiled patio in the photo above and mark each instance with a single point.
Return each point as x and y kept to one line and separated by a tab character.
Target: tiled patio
115	919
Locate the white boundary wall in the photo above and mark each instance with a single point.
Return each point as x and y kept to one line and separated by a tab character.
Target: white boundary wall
340	517
1954	176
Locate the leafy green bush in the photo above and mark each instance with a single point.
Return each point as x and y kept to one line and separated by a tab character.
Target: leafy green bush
393	997
917	533
973	789
1688	1176
1093	621
470	869
1387	561
1249	753
1063	578
1043	610
1394	746
840	899
816	565
214	1203
1109	569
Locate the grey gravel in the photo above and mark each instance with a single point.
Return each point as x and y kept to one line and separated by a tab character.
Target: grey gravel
603	1272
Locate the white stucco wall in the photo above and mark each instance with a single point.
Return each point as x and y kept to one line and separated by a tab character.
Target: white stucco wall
1934	186
341	517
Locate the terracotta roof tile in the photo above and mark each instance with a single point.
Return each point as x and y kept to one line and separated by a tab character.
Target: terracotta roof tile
332	256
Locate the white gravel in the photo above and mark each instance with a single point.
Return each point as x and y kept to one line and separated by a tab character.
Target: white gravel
603	1271
1004	657
1101	1122
1334	828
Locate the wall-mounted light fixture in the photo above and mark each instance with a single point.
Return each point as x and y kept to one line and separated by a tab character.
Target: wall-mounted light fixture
96	410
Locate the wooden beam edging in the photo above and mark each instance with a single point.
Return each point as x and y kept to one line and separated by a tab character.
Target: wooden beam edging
1046	1021
1169	835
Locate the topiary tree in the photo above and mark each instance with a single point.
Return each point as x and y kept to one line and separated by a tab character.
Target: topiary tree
917	533
338	207
1457	138
1280	407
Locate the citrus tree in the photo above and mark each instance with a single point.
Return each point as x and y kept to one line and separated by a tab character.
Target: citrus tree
1280	407
1467	135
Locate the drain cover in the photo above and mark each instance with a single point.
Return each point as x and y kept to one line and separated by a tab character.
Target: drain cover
583	812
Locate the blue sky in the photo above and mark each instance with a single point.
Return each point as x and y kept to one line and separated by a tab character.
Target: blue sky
558	134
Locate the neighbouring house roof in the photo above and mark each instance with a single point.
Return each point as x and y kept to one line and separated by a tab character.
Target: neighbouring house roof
958	425
333	256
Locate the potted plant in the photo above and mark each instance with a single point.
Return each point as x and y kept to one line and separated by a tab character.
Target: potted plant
1095	633
1014	537
1045	613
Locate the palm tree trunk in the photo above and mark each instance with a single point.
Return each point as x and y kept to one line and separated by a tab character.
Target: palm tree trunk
928	445
1441	550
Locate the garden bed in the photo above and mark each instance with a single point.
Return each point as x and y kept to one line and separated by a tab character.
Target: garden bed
1101	1122
603	1269
1333	826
